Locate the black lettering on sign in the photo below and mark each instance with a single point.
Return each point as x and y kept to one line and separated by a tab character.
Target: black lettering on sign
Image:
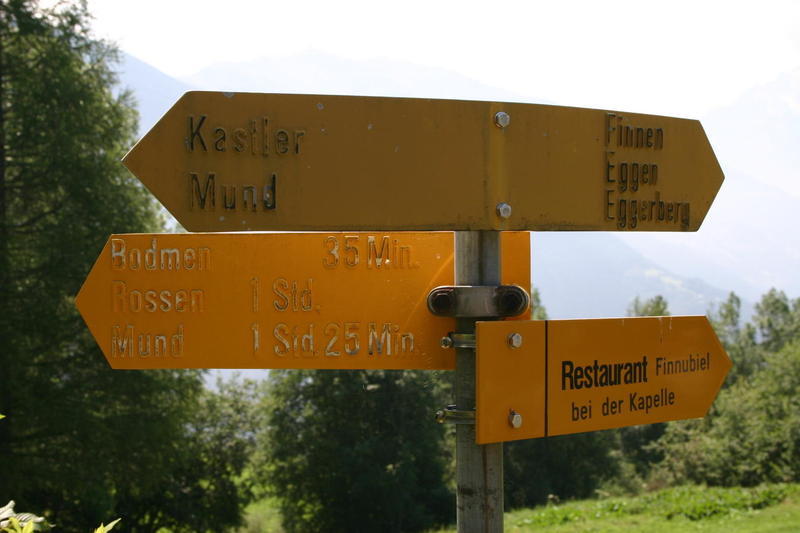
624	132
203	194
255	137
219	141
282	142
195	133
597	374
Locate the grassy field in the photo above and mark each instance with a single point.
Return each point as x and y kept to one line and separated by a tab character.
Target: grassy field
765	509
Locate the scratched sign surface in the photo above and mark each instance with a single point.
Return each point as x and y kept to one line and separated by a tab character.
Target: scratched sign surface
243	161
287	300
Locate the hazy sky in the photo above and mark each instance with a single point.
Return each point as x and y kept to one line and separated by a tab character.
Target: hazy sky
680	58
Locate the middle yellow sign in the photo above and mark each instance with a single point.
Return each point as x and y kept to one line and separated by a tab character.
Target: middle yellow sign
277	300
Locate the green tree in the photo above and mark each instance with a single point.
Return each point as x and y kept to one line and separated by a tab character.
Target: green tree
739	341
81	441
775	323
655	306
206	483
752	435
538	311
568	466
355	451
777	319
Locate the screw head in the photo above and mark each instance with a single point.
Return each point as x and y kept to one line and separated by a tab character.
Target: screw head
502	119
515	340
446	342
503	210
515	419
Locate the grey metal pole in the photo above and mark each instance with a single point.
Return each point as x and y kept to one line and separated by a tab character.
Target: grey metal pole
479	469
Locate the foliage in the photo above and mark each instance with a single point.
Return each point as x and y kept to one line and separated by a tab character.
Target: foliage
777	319
753	436
699	502
635	447
209	473
684	508
261	516
204	485
569	466
739	341
655	306
538	311
775	324
82	442
355	451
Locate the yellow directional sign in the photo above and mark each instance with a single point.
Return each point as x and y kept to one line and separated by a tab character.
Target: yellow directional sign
278	300
572	376
239	161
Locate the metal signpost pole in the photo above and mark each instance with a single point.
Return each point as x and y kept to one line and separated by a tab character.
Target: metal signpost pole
479	469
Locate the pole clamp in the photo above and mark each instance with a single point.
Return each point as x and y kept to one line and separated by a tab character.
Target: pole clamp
478	301
455	416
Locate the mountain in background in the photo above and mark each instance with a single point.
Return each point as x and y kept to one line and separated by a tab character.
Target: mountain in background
154	91
759	134
320	73
749	240
597	275
747	243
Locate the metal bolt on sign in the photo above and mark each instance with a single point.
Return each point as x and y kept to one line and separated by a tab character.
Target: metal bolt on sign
502	119
503	210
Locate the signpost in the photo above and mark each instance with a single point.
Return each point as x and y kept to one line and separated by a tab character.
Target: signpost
556	377
243	161
277	300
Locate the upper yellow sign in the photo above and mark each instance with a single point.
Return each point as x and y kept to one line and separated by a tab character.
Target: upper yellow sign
277	300
245	161
571	376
